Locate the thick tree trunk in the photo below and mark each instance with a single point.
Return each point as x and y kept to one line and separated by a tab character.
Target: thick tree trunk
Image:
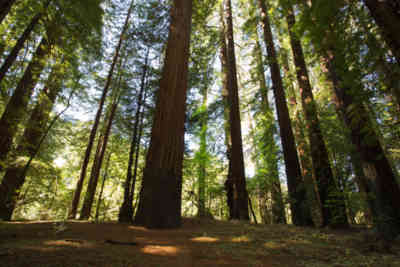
161	195
21	41
297	192
386	14
5	7
382	188
223	58
79	185
126	210
332	201
15	175
240	195
102	187
17	106
98	161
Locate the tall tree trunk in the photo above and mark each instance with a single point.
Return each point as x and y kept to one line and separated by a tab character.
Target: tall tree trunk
382	188
79	185
228	142
5	7
386	14
16	107
297	192
15	174
240	195
98	160
105	174
21	41
203	156
126	210
278	207
161	195
332	201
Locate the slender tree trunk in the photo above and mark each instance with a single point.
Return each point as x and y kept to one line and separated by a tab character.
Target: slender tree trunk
102	186
240	195
386	14
202	171
16	107
126	210
21	41
5	7
98	161
161	195
15	174
270	158
332	201
79	185
297	192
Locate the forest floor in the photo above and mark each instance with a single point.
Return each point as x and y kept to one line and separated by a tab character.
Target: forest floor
197	243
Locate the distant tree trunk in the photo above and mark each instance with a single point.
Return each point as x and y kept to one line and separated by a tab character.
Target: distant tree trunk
332	201
240	195
105	174
17	106
223	58
126	210
386	14
15	174
21	41
79	185
5	7
278	207
382	188
98	161
202	171
161	195
297	192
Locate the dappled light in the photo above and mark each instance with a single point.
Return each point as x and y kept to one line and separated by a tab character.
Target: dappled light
204	239
161	250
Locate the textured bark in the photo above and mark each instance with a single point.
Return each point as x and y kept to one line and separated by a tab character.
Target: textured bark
82	176
240	195
223	58
16	107
386	14
5	7
126	210
21	41
98	161
332	201
15	174
161	194
297	192
382	188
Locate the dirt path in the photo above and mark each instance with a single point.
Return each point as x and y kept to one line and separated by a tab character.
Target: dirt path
197	243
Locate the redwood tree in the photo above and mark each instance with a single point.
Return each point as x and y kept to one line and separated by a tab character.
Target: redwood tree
5	7
161	193
297	192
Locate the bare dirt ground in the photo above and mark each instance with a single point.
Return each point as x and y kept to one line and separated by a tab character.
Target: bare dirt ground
197	243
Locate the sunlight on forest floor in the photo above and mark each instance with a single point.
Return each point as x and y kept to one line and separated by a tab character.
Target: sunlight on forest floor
196	243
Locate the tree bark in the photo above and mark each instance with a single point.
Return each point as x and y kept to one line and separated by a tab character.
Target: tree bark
21	41
240	195
98	161
5	7
15	174
15	109
203	156
126	210
386	14
102	187
297	192
79	185
161	195
332	201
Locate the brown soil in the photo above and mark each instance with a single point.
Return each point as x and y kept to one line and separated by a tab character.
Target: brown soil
197	243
